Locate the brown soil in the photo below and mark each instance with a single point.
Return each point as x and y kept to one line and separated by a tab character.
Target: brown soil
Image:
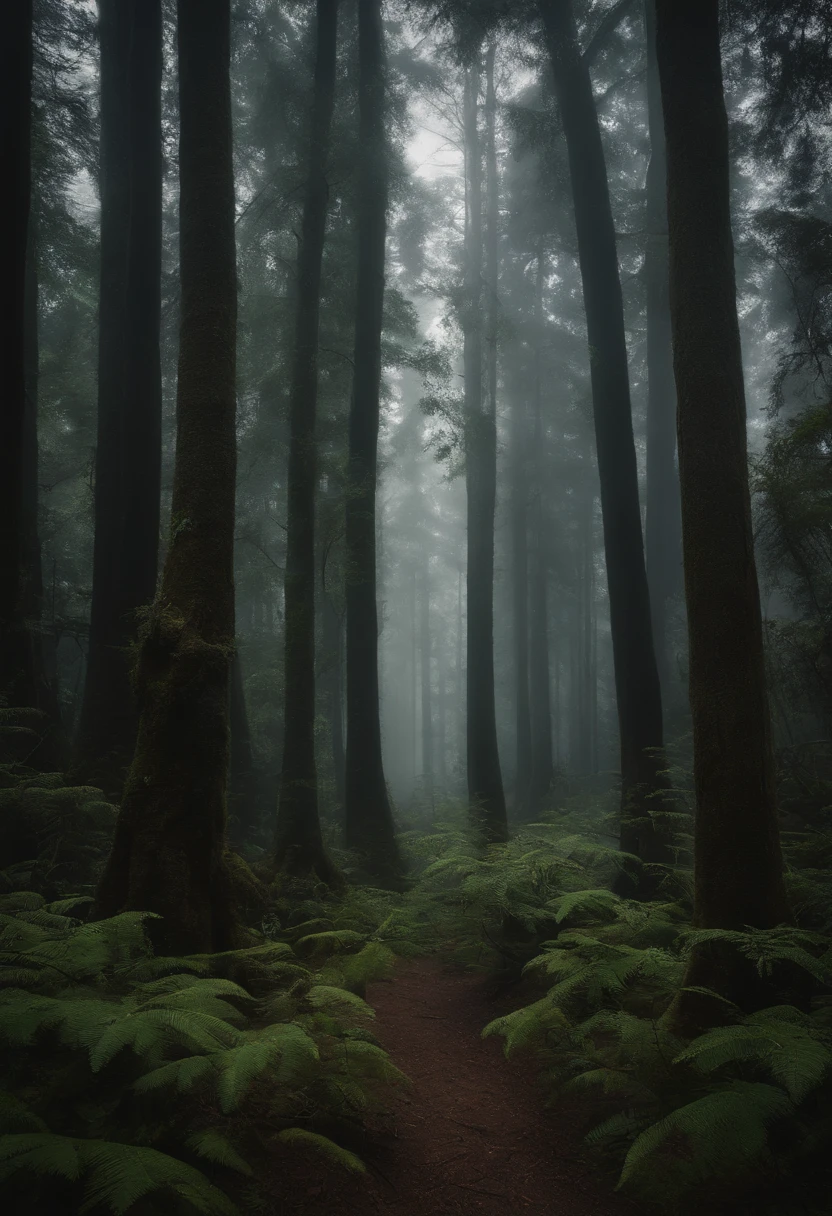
470	1136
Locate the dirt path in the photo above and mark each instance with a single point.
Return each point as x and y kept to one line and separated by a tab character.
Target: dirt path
471	1135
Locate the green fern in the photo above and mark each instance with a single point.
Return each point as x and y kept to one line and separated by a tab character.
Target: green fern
782	1041
115	1176
726	1131
299	1136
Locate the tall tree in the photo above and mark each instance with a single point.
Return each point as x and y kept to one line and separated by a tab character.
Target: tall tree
129	445
367	812
738	863
16	657
425	681
663	540
168	852
540	707
638	692
485	782
520	598
299	845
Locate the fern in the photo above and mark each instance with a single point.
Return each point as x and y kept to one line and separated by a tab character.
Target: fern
116	1176
726	1131
786	1044
213	1146
323	1145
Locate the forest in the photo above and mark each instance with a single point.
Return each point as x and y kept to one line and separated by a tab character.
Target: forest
416	607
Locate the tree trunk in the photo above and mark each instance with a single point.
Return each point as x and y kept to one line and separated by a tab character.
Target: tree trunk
638	693
425	656
663	540
17	677
368	816
485	783
299	846
167	854
128	446
243	784
540	707
738	863
333	647
520	599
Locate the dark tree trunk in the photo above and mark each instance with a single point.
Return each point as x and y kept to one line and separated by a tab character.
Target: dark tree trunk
540	707
425	657
520	599
50	753
738	864
638	693
333	648
168	852
368	816
128	448
299	846
243	783
663	539
485	783
17	676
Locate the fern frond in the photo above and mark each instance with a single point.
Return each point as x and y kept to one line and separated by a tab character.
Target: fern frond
726	1131
214	1147
323	1145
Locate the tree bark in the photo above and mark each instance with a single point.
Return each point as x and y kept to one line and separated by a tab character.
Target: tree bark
738	863
540	708
485	783
299	846
17	677
638	693
129	443
425	682
368	815
243	784
663	539
519	455
168	852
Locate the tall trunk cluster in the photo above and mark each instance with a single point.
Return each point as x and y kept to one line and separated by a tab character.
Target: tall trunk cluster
638	693
299	846
128	445
485	783
737	863
168	852
368	815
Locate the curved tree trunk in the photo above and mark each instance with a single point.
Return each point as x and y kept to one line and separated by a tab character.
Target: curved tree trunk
129	443
738	864
17	677
368	817
299	846
638	693
167	854
485	782
662	535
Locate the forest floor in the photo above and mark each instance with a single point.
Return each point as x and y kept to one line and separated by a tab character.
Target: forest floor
471	1135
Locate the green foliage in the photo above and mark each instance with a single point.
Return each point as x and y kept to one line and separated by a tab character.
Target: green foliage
322	1144
203	1055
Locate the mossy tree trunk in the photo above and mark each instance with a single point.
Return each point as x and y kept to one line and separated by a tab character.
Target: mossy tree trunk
168	851
637	687
17	677
129	442
738	864
299	846
368	816
485	782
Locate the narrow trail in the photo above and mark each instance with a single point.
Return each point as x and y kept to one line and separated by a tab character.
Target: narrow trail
471	1135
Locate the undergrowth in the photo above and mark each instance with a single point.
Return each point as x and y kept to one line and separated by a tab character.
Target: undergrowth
131	1077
